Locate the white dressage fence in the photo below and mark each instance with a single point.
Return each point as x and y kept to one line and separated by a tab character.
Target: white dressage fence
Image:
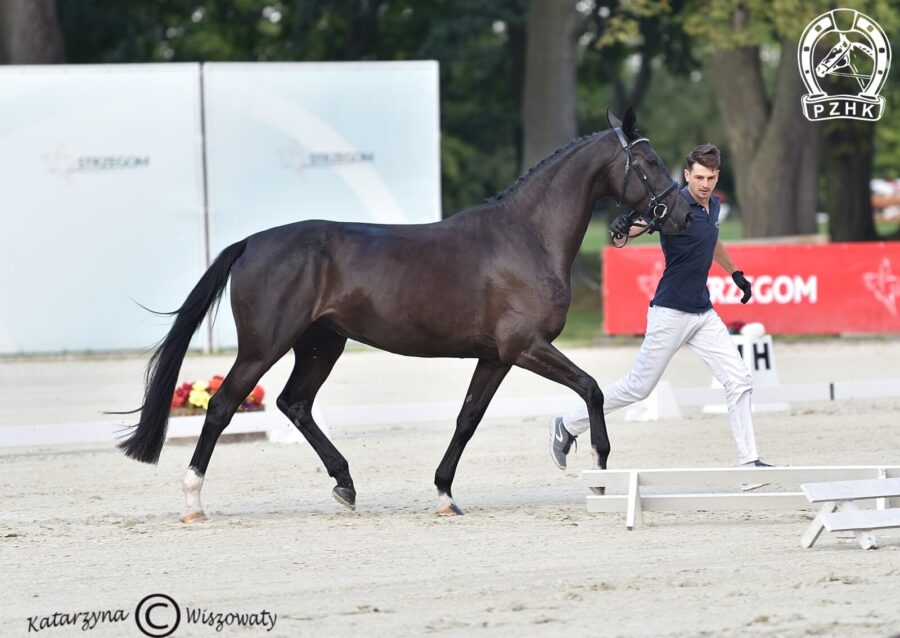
722	488
839	512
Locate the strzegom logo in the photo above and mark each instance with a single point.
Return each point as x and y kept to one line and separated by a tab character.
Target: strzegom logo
61	162
844	43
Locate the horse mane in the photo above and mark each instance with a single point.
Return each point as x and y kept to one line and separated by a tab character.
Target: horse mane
549	159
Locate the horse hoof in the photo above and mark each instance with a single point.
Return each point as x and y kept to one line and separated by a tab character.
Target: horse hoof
192	517
600	491
346	496
447	507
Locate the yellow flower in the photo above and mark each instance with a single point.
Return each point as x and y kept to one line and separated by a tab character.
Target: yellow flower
199	396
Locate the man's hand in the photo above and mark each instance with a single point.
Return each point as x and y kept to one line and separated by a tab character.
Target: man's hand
621	225
743	284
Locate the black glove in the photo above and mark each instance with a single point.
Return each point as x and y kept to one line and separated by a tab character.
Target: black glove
621	225
743	284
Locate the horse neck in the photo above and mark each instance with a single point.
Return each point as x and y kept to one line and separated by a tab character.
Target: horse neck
556	202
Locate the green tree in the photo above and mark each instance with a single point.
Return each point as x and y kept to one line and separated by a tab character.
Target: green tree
637	53
887	131
751	50
478	44
849	152
751	56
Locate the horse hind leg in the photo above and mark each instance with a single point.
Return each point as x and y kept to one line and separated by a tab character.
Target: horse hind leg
314	357
487	378
239	382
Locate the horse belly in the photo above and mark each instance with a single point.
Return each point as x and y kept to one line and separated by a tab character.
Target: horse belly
413	320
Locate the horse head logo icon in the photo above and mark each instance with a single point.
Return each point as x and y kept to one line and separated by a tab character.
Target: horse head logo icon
855	46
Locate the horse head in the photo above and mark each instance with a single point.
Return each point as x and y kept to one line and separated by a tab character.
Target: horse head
640	179
837	58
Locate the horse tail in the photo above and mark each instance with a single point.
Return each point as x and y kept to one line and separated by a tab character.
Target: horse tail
145	440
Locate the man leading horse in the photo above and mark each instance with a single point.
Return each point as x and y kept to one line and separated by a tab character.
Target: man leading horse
681	313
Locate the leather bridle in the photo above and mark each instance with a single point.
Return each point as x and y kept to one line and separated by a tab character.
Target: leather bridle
657	210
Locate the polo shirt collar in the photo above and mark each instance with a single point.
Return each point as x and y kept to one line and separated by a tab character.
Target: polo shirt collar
688	197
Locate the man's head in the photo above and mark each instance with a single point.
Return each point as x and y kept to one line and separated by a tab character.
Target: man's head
702	171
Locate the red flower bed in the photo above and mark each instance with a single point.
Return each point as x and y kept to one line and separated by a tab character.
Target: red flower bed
193	397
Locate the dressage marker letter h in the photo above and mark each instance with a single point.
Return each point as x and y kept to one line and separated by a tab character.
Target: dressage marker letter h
489	283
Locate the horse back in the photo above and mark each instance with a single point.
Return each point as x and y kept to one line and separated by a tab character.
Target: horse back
451	288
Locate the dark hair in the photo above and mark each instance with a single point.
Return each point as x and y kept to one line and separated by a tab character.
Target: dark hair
706	155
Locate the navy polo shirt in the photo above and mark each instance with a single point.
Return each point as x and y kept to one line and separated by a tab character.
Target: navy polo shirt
689	256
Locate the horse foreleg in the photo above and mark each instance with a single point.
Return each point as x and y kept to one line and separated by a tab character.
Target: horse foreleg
487	378
544	359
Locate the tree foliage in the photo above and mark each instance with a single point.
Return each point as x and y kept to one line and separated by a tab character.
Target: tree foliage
664	57
753	45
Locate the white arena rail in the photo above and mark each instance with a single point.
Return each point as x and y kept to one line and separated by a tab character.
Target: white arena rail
272	423
821	391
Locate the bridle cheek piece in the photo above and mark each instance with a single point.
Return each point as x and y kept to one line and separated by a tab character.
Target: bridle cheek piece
657	210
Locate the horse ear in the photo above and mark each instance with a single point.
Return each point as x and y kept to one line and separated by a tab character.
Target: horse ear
628	126
611	119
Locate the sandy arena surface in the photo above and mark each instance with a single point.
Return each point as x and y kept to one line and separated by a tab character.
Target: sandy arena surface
82	528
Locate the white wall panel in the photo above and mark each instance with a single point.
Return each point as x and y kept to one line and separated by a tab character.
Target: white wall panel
100	201
337	141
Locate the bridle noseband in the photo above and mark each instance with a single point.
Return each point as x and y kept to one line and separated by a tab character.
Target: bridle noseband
656	210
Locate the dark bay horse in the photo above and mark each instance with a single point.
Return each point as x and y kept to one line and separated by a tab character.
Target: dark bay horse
490	283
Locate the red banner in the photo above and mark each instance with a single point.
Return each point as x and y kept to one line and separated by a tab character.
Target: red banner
797	289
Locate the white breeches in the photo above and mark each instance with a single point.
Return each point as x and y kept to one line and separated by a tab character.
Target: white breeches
667	331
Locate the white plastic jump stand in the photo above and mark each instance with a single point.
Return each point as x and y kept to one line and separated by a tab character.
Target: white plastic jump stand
758	353
660	404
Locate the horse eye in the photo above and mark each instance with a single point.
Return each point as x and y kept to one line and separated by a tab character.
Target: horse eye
652	162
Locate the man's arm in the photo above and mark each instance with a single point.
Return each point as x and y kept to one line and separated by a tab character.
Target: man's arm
720	254
723	258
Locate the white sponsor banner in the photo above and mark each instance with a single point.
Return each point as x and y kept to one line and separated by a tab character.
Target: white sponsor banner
102	181
101	201
337	141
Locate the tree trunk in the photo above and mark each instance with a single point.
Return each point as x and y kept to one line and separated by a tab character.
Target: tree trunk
774	147
849	147
848	150
807	191
30	32
548	110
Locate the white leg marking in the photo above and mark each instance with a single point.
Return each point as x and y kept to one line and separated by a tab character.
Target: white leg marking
191	486
444	502
446	506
